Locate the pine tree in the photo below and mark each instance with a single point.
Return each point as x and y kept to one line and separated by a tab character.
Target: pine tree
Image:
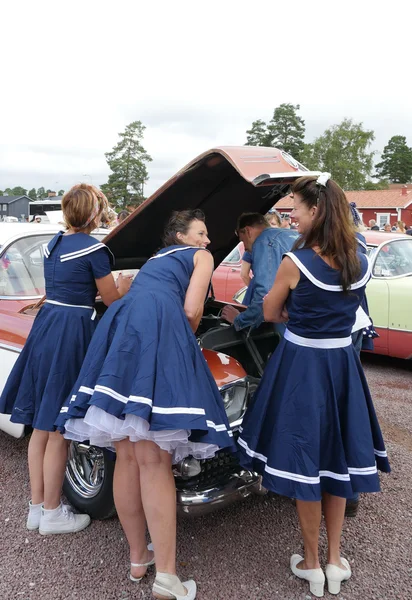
287	130
396	164
127	163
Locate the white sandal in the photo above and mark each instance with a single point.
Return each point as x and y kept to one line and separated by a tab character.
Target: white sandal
335	575
148	564
315	577
168	587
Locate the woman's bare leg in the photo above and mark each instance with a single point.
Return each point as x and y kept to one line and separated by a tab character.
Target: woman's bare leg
159	502
36	451
310	514
334	512
54	468
128	501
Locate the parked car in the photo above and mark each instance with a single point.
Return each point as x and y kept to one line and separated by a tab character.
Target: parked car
238	179
389	291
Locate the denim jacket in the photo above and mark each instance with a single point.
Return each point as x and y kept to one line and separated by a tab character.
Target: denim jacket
267	253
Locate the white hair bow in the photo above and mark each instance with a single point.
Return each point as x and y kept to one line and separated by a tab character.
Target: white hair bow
323	179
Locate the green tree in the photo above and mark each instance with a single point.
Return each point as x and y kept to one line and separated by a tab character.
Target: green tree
41	193
396	163
343	151
287	129
1	193
18	191
9	192
258	134
383	184
60	193
32	194
127	162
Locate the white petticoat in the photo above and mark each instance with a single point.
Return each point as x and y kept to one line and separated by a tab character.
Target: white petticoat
103	429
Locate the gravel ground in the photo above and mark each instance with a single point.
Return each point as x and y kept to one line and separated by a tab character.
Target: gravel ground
240	553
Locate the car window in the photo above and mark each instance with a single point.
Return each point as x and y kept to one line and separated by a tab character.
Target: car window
21	267
233	257
394	259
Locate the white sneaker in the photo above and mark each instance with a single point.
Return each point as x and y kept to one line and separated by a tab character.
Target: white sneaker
61	520
33	518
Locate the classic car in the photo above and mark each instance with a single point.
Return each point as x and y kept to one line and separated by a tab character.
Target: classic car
223	182
389	290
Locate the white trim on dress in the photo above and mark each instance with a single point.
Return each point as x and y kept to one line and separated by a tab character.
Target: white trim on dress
326	286
326	343
84	252
381	453
161	254
303	478
175	410
57	303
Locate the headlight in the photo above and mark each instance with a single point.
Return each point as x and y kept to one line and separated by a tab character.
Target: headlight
234	398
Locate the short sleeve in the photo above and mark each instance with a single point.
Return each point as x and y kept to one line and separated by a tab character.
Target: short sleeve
247	257
100	262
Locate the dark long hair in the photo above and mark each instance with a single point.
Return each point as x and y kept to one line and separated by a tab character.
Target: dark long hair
180	222
332	227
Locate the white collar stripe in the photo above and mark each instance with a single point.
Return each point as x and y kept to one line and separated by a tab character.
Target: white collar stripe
326	286
176	250
93	247
83	253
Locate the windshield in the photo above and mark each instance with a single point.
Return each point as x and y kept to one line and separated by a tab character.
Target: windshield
22	268
394	259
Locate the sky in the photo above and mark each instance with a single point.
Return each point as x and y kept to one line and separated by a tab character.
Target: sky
197	74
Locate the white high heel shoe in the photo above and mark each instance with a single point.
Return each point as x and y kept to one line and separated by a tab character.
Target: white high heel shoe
335	575
169	587
148	564
316	577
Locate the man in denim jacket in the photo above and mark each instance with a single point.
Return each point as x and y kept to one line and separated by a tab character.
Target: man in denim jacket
267	245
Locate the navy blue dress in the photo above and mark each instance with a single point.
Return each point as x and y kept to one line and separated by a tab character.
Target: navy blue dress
144	376
311	427
50	361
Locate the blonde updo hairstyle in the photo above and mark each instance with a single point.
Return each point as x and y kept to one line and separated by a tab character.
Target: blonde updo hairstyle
84	207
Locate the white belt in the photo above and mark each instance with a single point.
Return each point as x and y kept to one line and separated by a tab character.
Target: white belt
326	343
74	306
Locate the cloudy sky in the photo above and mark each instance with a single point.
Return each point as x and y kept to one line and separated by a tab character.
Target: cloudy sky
196	74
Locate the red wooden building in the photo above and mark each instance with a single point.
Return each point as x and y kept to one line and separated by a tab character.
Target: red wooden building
394	204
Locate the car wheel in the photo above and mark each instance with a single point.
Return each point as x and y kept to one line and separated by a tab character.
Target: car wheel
88	484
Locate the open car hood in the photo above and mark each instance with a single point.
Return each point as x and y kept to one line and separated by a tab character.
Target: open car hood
223	182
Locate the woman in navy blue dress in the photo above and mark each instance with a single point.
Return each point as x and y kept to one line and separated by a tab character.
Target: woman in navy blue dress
311	430
75	267
146	389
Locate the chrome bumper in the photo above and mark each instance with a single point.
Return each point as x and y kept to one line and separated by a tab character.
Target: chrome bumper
238	486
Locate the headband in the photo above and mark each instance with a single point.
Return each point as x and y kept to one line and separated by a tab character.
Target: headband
93	214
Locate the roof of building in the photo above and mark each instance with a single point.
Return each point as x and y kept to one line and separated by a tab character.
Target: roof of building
9	199
367	199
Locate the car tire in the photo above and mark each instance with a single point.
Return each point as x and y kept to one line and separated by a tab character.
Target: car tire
88	485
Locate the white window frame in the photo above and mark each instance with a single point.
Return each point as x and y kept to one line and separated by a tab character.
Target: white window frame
379	219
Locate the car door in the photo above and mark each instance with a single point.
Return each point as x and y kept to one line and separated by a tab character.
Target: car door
388	293
226	279
21	283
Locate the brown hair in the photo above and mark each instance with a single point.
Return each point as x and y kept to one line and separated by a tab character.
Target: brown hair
332	226
81	206
180	222
274	216
401	226
251	220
